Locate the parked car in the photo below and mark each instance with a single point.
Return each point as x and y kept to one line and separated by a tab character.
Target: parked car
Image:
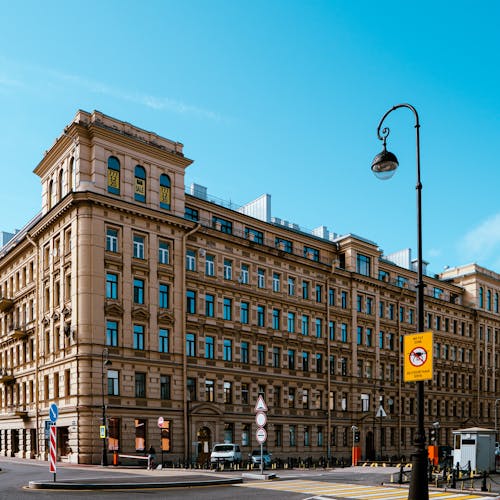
225	453
254	457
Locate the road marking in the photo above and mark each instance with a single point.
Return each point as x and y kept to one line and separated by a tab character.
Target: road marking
354	491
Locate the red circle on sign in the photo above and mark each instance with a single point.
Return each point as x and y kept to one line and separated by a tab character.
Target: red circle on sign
418	356
261	435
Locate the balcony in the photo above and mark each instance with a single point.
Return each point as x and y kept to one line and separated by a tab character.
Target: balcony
6	376
5	304
17	332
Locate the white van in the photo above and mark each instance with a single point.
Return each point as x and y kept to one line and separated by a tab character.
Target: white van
225	453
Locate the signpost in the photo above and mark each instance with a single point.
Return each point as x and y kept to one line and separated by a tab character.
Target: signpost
161	421
261	434
53	414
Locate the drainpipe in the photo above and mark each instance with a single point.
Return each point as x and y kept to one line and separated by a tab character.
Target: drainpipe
37	350
187	451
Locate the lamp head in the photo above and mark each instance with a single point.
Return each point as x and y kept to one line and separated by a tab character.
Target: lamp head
107	362
384	165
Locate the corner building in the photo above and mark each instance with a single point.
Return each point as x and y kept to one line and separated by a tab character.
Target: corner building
129	299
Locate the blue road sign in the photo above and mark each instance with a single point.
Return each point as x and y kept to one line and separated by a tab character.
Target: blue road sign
53	413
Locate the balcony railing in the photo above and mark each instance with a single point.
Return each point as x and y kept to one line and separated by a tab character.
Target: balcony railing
6	376
17	332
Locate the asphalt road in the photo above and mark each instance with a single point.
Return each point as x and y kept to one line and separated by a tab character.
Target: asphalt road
16	475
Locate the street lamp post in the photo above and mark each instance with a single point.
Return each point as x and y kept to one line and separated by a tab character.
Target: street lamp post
384	166
105	362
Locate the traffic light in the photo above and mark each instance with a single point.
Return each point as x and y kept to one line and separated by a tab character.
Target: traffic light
432	434
356	436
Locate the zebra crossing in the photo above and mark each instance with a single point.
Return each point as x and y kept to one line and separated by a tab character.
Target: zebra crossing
317	489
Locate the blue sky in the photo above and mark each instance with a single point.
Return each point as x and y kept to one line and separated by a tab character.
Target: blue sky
279	97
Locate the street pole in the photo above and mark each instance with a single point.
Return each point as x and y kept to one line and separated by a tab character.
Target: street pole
105	362
384	166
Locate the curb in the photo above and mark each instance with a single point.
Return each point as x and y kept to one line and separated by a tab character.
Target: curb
47	485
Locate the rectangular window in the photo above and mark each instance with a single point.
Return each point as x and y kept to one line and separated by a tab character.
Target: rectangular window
190	344
228	269
209	347
381	340
291	322
319	293
381	308
261	356
261	315
359	303
163	252
305	325
111	333
244	352
228	350
111	286
311	253
319	327
165	387
244	312
305	361
140	385
293	435
228	392
209	305
222	225
276	357
276	282
111	240
113	383
191	214
343	300
363	264
190	302
369	336
331	330
227	309
138	291
331	297
138	247
244	274
191	389
244	394
305	289
138	340
284	245
291	359
163	294
261	278
190	260
291	286
276	319
209	390
319	363
254	235
343	332
209	265
163	335
369	305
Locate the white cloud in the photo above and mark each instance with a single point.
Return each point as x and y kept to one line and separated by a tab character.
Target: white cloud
483	241
33	75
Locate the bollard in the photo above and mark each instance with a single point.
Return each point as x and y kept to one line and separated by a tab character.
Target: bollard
454	478
483	484
400	479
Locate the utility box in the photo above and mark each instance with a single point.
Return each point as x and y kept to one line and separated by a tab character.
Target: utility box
474	445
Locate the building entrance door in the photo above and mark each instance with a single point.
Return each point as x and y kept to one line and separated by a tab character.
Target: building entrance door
204	445
369	446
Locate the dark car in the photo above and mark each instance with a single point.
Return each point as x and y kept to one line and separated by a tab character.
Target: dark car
255	457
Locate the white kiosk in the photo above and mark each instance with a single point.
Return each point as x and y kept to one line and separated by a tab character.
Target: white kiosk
474	445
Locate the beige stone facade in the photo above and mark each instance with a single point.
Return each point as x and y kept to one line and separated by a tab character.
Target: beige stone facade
128	295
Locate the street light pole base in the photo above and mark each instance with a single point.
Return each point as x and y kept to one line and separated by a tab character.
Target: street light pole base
419	486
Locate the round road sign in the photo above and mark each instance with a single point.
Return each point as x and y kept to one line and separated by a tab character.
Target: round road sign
261	418
261	435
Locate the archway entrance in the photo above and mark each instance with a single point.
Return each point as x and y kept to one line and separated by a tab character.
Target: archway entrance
204	438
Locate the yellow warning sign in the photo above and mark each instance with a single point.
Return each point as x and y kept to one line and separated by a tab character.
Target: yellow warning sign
418	357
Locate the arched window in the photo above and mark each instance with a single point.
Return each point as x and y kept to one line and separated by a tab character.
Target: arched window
488	300
50	194
481	297
71	173
165	192
60	185
113	175
140	184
